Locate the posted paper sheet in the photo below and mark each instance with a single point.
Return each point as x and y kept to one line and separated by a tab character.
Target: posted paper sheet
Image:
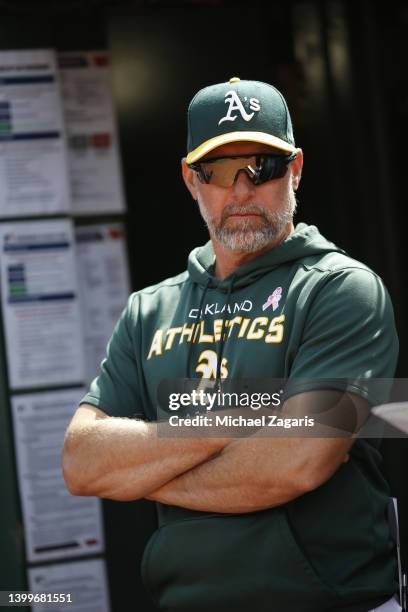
94	159
33	154
104	286
41	313
86	580
57	524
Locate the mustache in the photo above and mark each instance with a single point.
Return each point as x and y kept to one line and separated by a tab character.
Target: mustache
243	209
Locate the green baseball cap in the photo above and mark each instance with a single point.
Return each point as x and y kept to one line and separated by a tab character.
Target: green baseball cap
238	111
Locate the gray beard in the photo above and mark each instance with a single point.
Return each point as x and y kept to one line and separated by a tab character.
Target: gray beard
246	238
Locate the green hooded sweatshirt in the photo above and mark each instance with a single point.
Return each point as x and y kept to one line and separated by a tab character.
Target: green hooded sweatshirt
303	310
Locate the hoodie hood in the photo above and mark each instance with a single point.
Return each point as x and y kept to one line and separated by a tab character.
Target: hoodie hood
305	241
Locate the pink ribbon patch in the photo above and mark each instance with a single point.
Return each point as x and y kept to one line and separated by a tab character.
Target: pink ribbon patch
274	299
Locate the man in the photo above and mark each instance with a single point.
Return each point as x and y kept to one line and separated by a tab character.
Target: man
257	522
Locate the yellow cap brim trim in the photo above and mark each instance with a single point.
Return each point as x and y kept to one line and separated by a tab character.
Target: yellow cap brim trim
217	141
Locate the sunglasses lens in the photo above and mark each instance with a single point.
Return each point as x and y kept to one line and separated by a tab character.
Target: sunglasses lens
259	168
272	168
222	172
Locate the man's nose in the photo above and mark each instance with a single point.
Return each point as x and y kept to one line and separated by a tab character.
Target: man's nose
243	186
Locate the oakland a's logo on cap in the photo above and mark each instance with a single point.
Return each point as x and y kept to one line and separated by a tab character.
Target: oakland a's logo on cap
235	104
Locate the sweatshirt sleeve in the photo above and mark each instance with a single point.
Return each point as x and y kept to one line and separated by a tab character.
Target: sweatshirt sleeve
116	389
349	337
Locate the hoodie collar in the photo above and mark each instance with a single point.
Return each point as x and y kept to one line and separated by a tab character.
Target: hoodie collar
304	241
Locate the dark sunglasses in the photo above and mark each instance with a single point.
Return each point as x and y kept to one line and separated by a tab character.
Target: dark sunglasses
223	171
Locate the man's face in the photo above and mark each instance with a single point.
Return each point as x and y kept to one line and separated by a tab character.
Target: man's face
246	217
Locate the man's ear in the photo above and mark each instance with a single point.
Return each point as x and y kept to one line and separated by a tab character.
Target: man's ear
296	167
189	178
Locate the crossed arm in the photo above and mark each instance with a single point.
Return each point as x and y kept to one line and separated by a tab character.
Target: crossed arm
254	473
124	459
